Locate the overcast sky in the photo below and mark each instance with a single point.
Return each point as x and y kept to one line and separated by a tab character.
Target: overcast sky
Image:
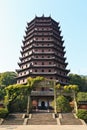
72	15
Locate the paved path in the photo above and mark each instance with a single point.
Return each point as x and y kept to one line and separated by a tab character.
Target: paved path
44	127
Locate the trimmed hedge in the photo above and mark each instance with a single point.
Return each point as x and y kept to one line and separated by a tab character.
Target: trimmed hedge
82	114
3	112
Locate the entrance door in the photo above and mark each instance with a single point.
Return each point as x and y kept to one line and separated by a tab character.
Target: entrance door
43	105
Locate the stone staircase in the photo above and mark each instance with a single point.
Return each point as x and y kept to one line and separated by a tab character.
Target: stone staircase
69	119
42	119
13	119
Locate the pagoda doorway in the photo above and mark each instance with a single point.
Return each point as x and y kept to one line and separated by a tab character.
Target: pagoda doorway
43	105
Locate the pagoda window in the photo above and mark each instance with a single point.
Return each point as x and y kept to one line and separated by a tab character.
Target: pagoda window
50	63
37	38
35	63
36	56
18	81
42	50
48	38
42	38
24	72
35	70
42	44
42	89
49	50
23	80
42	56
42	63
49	70
64	73
48	56
42	70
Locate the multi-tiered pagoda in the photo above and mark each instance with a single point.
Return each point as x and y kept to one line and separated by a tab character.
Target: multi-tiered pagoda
42	52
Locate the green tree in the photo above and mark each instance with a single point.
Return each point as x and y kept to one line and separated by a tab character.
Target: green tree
82	96
13	94
82	114
7	78
81	81
17	92
63	104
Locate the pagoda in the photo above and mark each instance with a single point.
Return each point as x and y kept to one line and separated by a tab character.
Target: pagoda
43	52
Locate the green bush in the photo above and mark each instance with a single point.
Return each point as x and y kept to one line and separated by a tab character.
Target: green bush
82	114
3	112
18	105
63	104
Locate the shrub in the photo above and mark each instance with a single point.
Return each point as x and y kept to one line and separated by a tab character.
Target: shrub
82	114
63	104
3	112
18	105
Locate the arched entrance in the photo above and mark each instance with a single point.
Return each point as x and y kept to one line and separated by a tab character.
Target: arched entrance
42	104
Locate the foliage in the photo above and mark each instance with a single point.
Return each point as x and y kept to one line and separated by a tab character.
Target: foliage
16	93
3	112
69	88
82	96
2	93
81	81
63	104
19	104
32	82
82	114
7	78
58	86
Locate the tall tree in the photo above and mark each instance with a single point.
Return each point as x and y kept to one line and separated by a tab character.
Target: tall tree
78	80
7	78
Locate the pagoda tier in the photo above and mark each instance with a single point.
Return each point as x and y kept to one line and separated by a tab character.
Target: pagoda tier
42	52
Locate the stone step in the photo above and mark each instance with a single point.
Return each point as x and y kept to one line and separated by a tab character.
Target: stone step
69	119
42	119
13	119
11	122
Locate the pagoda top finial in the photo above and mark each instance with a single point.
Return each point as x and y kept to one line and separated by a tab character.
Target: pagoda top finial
43	15
35	15
50	15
